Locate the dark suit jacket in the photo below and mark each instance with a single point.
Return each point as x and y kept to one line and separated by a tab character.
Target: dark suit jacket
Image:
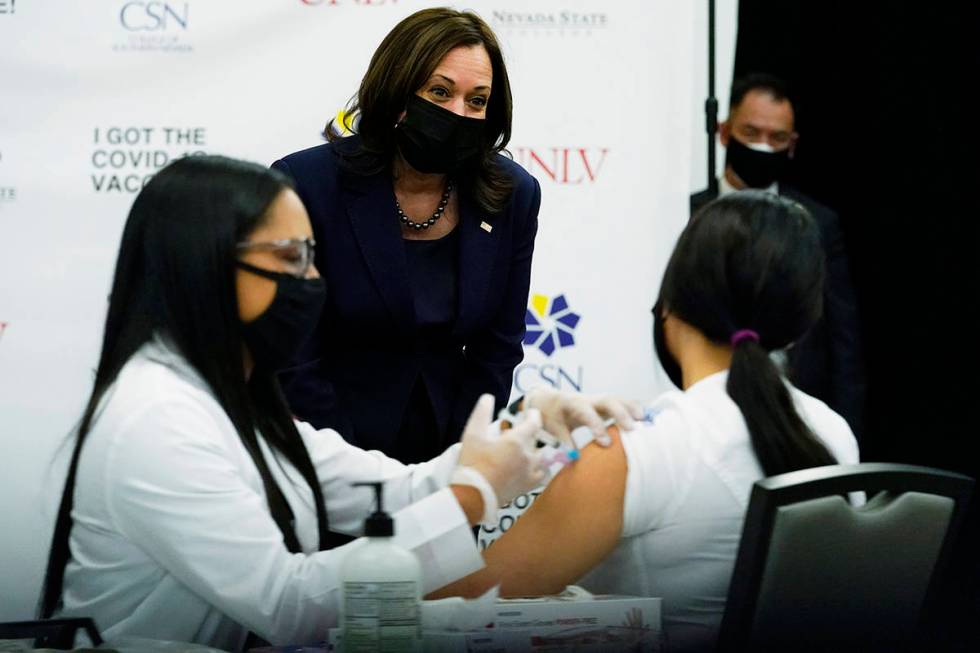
357	373
827	362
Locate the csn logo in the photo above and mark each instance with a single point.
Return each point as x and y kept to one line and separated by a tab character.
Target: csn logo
550	326
154	16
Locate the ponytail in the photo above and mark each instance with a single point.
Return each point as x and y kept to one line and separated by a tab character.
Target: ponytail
780	438
748	270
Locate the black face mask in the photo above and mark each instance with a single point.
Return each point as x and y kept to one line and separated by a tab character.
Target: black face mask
275	337
436	140
667	361
756	168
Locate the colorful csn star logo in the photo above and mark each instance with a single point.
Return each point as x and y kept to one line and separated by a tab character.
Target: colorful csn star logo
550	324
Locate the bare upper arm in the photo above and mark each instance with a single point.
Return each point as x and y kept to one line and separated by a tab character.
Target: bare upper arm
575	523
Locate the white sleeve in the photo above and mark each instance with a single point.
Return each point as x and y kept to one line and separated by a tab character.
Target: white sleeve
428	519
338	464
834	431
175	490
658	459
830	427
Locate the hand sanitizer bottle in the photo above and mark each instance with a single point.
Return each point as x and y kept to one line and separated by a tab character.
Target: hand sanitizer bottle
381	595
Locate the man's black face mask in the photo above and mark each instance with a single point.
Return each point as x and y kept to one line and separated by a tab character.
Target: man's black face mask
756	164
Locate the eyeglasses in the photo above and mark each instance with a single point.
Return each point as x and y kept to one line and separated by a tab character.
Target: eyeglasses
295	253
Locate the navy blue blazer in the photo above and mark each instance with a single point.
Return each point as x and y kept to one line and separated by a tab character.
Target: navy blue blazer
357	372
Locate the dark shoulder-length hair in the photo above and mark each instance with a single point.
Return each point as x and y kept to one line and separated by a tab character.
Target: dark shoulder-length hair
753	260
403	62
175	278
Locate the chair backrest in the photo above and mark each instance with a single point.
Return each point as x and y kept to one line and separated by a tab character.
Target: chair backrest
51	633
815	573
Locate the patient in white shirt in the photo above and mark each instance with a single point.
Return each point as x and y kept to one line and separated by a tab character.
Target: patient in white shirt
660	512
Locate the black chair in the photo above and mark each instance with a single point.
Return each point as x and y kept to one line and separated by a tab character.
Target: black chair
51	633
814	573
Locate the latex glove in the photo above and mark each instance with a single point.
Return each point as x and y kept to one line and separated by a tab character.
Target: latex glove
510	462
562	412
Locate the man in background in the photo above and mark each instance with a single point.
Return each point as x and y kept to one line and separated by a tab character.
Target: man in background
760	139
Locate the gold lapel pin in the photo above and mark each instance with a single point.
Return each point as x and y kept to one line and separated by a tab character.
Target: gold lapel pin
486	226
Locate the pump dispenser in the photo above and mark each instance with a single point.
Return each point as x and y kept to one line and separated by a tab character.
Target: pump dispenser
380	606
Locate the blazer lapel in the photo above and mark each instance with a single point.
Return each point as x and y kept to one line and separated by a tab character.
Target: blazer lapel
478	243
370	205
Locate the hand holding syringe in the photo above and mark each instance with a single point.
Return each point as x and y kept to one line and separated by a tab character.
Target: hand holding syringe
556	452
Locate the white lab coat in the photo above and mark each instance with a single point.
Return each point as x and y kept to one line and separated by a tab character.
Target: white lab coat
172	538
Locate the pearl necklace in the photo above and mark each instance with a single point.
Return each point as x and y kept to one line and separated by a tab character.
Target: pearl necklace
425	224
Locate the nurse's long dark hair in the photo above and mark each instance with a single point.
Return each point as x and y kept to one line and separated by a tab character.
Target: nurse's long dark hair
175	276
753	260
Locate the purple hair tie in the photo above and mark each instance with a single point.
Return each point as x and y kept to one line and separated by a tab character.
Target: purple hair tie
744	334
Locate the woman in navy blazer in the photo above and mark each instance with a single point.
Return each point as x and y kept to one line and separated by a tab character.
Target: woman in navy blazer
424	236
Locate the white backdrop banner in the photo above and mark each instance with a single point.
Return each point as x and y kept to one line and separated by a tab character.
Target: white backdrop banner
97	96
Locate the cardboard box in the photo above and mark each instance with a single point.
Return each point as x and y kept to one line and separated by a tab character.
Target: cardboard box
541	640
575	611
554	623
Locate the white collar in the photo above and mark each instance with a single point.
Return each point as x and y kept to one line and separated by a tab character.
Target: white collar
163	350
725	187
